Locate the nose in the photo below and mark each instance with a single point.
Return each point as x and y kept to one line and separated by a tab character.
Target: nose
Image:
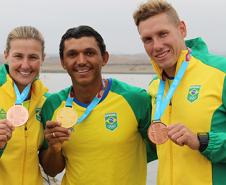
81	59
157	44
25	63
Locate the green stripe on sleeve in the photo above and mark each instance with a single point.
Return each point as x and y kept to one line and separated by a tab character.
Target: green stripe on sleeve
140	102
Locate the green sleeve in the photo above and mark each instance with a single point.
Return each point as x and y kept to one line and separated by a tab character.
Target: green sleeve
46	115
2	150
140	102
216	149
143	128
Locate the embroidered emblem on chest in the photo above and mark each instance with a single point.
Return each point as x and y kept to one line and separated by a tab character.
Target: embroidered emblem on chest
193	93
111	121
2	114
38	114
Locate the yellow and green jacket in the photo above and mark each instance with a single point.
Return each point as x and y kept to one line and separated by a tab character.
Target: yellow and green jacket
19	163
109	146
199	102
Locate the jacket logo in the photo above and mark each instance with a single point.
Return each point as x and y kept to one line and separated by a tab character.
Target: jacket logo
38	114
2	114
193	93
111	121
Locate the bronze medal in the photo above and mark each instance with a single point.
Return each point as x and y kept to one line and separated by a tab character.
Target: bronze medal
17	115
67	116
158	132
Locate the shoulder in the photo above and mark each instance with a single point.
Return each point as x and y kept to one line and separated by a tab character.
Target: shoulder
153	86
215	61
3	73
127	90
200	52
55	99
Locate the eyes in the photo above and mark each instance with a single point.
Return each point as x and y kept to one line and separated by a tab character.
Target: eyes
89	52
160	35
31	57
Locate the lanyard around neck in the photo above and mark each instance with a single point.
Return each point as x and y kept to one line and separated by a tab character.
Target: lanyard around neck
91	106
161	102
21	97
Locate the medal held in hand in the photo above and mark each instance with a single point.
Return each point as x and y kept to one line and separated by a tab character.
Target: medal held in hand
158	132
67	116
17	115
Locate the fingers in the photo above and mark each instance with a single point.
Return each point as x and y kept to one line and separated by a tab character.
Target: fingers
6	129
6	124
177	134
55	134
181	135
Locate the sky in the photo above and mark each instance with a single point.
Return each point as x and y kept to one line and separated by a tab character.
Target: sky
112	19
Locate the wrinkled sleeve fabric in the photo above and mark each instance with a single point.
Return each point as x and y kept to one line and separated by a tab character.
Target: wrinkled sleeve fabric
216	149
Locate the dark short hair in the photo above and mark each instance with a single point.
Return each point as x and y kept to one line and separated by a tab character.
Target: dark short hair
82	31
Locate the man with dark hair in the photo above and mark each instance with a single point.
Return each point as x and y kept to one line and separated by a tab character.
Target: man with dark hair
107	143
189	93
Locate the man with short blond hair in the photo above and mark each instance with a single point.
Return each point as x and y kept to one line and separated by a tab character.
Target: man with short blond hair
188	99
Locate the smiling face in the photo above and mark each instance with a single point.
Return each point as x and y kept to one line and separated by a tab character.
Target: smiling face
163	40
24	58
83	61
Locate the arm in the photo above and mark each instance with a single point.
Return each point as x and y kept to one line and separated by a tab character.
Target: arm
143	128
51	159
216	149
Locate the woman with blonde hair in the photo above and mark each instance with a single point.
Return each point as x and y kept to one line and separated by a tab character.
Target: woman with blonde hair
22	95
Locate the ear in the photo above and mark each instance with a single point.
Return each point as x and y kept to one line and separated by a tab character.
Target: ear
105	57
62	63
6	54
43	58
182	29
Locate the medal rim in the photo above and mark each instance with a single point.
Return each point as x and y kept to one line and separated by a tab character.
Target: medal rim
13	122
149	131
68	109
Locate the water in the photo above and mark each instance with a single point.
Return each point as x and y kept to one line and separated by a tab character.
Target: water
58	81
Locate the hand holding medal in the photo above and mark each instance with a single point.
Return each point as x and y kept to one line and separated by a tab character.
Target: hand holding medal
56	135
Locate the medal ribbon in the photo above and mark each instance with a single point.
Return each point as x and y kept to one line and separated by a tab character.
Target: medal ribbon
91	106
21	97
161	103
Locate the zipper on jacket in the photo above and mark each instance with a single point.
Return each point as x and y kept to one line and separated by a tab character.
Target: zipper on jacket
171	147
25	153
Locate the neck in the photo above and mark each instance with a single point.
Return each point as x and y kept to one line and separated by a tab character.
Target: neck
170	72
85	94
21	87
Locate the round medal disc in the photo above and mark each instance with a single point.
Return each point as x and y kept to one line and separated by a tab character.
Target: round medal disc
67	116
158	132
17	115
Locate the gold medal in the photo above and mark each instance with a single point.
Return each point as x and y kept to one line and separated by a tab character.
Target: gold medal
67	116
17	115
158	132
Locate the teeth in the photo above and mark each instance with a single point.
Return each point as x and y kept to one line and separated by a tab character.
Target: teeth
163	54
25	73
83	70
